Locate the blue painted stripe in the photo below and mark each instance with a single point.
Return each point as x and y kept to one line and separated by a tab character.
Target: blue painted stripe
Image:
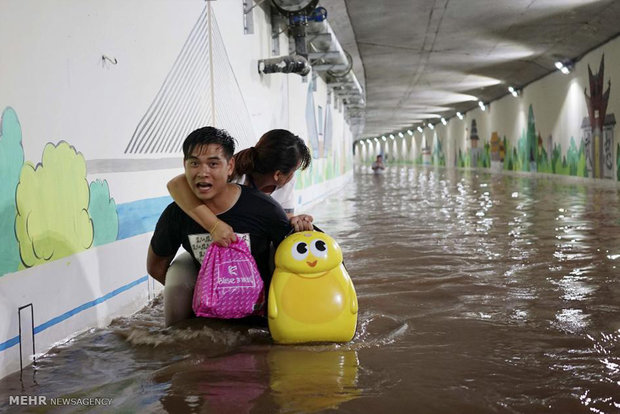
54	321
11	342
139	217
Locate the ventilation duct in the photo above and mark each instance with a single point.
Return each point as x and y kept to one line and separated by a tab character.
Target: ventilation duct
298	13
285	64
326	55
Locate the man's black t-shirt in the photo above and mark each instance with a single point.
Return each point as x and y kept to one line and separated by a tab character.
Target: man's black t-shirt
254	213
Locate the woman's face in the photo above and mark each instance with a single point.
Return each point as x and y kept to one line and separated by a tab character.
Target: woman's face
283	179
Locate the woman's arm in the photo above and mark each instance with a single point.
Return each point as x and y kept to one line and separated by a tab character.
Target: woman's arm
221	232
301	222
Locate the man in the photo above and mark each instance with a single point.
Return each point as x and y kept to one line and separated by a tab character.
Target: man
208	161
377	166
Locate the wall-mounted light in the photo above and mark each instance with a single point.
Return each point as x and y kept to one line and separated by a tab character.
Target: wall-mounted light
513	91
384	138
431	126
565	66
443	121
410	132
391	136
400	134
368	140
482	105
420	129
376	139
460	115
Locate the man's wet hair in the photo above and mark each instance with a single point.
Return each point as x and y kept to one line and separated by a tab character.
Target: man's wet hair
209	135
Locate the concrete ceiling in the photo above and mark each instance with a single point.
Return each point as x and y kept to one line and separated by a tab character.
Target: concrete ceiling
422	59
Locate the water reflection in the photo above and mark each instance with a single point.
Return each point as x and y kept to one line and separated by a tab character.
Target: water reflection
308	381
295	379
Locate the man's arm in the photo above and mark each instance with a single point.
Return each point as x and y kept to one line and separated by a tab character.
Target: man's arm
157	266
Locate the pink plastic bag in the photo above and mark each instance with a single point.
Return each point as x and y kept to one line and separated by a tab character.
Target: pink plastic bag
229	284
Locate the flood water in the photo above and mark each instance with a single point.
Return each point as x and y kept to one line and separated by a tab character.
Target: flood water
478	293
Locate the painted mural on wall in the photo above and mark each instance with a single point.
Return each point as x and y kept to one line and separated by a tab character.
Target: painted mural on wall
478	154
48	210
329	155
598	127
438	156
593	157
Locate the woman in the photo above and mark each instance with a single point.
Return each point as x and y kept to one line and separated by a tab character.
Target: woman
269	166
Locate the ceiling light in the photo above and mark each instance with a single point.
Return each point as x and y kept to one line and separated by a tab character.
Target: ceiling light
565	67
420	129
443	121
384	138
376	139
392	136
368	140
460	115
400	134
513	91
431	126
482	105
410	132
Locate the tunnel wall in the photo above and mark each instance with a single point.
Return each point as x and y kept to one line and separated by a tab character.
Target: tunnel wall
95	100
560	124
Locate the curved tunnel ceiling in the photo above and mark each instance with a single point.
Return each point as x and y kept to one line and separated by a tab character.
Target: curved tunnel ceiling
419	59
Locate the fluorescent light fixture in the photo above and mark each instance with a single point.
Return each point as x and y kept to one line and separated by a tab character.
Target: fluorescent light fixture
443	121
513	91
410	132
565	67
420	129
482	105
460	115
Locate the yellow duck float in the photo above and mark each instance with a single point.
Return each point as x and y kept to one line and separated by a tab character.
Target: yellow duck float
311	296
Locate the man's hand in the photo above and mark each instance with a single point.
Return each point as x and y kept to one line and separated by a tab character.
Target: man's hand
222	234
302	222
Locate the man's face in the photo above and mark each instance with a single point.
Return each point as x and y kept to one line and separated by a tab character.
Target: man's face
207	171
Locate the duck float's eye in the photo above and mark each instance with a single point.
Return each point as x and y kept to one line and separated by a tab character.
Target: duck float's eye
318	248
300	251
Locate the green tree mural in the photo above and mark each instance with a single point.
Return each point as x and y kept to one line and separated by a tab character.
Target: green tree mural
52	206
438	155
11	161
102	209
532	141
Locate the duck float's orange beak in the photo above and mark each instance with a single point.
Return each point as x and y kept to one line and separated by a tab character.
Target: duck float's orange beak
312	264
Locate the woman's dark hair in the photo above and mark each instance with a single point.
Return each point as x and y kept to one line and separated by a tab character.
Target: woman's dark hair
277	149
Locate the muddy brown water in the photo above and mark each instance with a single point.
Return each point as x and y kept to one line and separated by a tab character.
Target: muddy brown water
478	293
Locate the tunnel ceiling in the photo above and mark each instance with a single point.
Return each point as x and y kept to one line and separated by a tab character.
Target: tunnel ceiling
420	59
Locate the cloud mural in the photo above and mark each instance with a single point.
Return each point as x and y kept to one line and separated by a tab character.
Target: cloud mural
48	210
52	206
102	209
11	161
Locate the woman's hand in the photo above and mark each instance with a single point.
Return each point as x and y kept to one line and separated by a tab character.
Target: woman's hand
222	234
302	222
